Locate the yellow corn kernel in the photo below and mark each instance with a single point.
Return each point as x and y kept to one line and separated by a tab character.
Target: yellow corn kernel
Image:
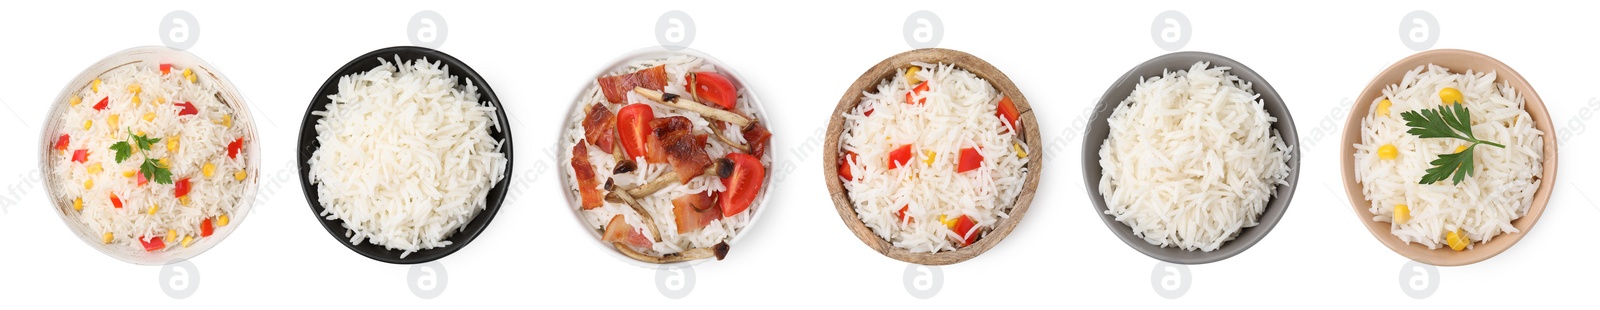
134	89
911	75
1450	96
77	204
1388	151
172	236
141	132
189	75
149	116
129	173
1021	153
113	119
1457	240
95	86
239	176
928	157
208	170
88	184
184	200
75	100
222	220
1383	107
107	238
1402	214
153	209
187	240
227	121
161	100
136	100
93	168
947	221
1461	148
172	144
163	162
88	123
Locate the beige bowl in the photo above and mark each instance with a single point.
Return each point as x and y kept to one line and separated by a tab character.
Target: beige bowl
886	70
1456	61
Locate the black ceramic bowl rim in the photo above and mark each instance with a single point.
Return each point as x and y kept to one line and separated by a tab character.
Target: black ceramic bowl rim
308	144
1098	130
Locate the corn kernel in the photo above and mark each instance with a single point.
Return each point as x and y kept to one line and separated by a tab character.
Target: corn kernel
1457	240
88	123
93	168
189	75
1383	107
129	173
172	235
95	86
153	209
161	100
1450	96
239	176
77	204
928	157
227	121
172	144
1021	153
112	120
1388	151
106	239
184	200
136	100
222	220
947	221
208	170
75	100
911	75
149	116
88	184
163	162
1402	214
187	240
134	88
1461	148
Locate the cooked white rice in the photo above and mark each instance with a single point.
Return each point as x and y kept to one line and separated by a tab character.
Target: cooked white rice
1483	205
959	113
1192	159
660	203
202	138
406	158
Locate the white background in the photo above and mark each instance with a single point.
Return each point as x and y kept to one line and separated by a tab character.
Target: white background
799	56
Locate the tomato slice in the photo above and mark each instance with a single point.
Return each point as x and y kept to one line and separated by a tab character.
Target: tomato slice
205	228
616	87
1007	112
116	202
713	87
633	126
743	185
181	188
166	68
235	146
188	108
917	91
902	212
964	225
80	156
844	166
154	243
61	143
900	156
970	159
102	105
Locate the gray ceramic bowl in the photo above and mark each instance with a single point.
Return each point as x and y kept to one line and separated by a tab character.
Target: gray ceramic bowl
1098	130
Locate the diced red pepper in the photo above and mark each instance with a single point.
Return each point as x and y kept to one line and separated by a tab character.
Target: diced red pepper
205	228
61	143
166	68
902	212
80	156
153	243
142	180
964	226
844	166
970	159
917	91
102	104
116	202
900	156
188	109
233	147
181	188
1007	112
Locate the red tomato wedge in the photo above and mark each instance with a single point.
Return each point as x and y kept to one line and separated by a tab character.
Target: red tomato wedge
598	127
235	146
917	92
695	211
181	188
743	185
152	243
616	87
758	137
102	105
902	212
188	109
713	87
1007	112
205	228
166	68
116	202
588	185
61	143
618	230
970	159
964	226
633	128
844	166
900	156
80	156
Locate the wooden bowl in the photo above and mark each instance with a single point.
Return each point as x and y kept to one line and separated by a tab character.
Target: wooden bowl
886	69
1457	61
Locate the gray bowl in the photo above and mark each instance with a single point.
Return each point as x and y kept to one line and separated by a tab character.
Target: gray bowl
1098	130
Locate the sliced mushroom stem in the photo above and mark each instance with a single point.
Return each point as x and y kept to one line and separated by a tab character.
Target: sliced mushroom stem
725	140
649	221
718	251
688	104
722	168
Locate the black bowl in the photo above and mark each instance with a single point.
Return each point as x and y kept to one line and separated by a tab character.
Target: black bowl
309	144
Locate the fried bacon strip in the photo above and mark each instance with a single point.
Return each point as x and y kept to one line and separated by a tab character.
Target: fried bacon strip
616	87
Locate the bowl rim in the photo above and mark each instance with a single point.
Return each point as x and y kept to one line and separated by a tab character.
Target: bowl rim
486	94
759	206
1270	216
888	67
226	90
1531	103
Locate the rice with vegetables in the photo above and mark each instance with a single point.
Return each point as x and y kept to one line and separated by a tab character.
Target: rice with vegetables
147	156
1497	184
933	160
666	158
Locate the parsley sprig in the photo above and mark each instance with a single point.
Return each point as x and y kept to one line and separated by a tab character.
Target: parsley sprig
1450	121
151	169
